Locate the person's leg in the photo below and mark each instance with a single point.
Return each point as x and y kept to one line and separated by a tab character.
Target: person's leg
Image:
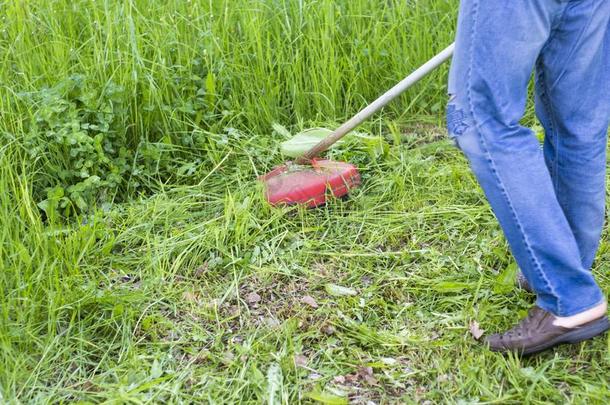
573	104
497	46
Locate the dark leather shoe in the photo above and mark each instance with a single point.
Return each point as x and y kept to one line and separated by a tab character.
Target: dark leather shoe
523	283
537	332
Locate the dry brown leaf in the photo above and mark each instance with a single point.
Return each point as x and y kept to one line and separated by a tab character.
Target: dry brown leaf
309	300
271	322
201	270
228	358
443	378
253	298
314	376
475	330
339	379
366	374
351	378
190	296
300	360
89	386
370	380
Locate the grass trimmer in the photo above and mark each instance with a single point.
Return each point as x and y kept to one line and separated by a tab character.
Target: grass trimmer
311	181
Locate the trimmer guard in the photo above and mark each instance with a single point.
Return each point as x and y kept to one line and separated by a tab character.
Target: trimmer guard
292	184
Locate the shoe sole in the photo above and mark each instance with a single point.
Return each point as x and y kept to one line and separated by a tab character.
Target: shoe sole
577	335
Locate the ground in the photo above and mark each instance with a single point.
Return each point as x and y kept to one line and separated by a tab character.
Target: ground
261	318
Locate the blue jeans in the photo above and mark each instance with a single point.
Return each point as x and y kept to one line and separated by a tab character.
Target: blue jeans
548	200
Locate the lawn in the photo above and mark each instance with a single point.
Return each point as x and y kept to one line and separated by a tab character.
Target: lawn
141	264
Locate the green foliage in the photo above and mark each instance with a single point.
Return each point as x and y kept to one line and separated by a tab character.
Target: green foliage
505	281
87	155
139	262
78	133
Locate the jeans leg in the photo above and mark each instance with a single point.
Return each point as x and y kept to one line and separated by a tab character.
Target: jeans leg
573	104
498	43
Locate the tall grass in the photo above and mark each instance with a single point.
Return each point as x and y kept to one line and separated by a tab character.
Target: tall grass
286	61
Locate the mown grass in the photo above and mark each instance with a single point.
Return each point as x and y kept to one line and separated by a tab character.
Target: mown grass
184	286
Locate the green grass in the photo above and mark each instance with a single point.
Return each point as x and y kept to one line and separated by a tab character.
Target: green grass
178	284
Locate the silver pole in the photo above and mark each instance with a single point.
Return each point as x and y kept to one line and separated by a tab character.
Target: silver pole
378	104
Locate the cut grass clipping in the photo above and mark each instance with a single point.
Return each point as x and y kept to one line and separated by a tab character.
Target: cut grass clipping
140	264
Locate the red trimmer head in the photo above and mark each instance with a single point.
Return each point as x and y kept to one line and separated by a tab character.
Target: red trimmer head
293	184
311	185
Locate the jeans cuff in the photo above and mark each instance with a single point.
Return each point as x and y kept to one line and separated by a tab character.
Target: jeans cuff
571	311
